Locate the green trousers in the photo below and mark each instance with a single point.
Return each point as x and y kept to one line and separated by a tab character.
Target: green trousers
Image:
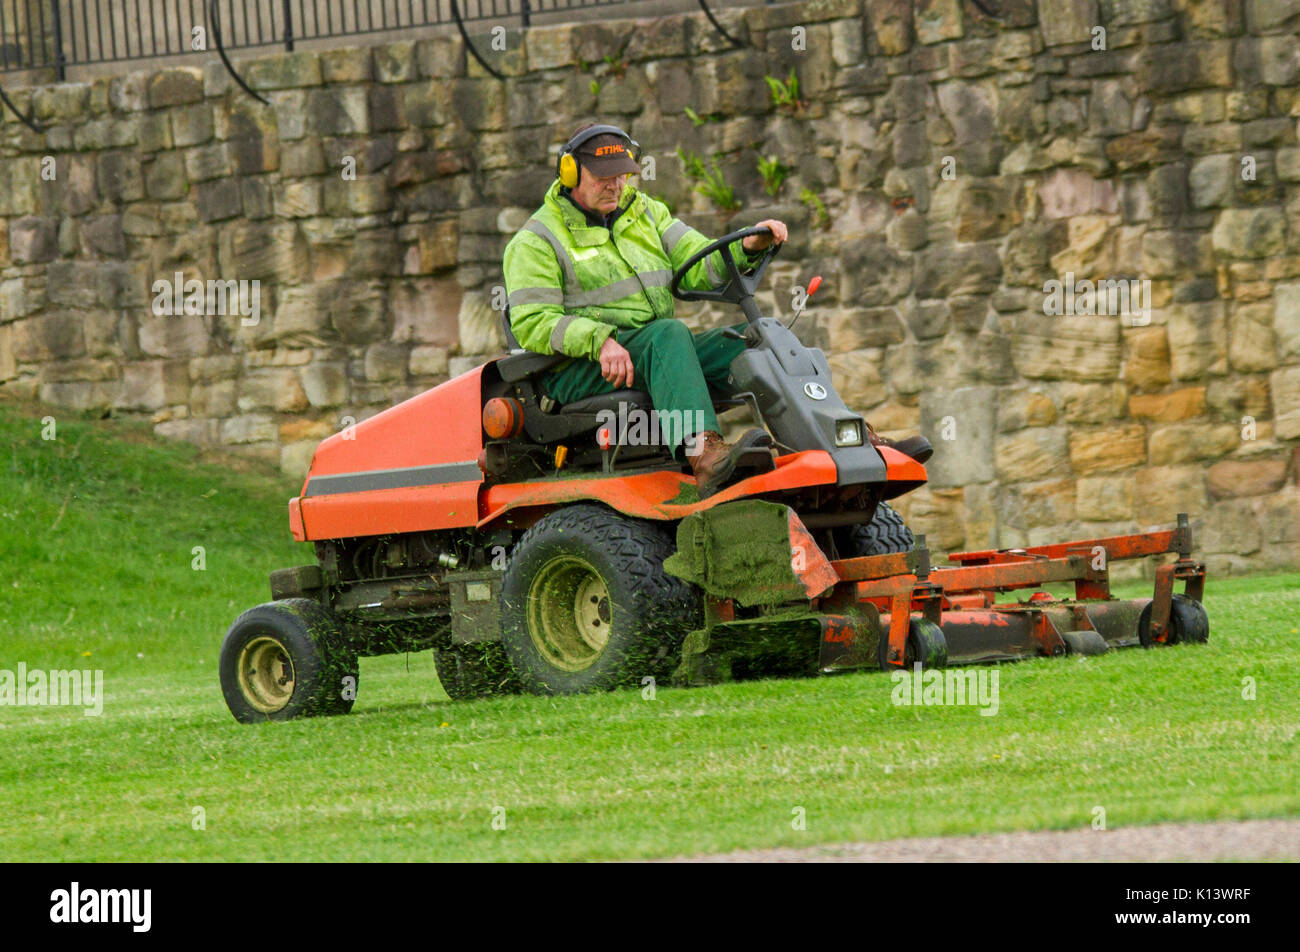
671	364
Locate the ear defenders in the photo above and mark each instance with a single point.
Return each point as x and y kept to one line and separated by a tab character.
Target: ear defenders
567	168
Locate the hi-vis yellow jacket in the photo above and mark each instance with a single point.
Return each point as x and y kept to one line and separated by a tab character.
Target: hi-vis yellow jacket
571	284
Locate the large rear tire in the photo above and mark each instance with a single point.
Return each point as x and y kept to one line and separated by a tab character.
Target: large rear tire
287	659
587	606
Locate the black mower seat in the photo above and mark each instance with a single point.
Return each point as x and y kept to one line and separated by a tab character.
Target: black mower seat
632	399
523	364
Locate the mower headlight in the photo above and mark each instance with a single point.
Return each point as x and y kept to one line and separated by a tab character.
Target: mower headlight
848	433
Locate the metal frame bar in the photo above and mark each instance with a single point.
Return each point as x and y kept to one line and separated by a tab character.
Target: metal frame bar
469	45
903	583
734	43
26	120
214	27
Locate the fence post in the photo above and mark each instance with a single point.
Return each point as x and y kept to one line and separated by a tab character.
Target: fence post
288	27
56	24
523	13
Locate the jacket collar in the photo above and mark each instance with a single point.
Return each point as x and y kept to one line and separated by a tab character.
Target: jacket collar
585	227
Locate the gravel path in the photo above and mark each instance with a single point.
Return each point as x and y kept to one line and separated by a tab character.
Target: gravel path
1168	842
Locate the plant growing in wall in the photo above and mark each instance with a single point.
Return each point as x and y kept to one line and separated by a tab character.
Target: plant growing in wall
813	201
616	64
711	183
785	95
774	173
697	120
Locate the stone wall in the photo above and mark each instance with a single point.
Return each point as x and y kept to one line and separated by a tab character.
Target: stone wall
962	163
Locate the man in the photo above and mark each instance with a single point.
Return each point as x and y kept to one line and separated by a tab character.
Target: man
588	276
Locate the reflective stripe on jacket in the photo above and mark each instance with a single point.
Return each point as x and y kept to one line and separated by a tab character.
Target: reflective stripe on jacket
571	284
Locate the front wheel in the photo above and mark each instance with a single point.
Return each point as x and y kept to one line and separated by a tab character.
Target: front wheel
287	659
884	534
587	606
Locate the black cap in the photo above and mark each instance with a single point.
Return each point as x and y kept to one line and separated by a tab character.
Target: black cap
607	155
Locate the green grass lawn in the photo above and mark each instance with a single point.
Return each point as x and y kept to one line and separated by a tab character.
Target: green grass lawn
97	532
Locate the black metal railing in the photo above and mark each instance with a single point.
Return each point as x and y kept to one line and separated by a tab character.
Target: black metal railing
56	34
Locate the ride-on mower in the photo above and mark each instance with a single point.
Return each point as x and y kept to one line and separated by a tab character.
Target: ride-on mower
536	546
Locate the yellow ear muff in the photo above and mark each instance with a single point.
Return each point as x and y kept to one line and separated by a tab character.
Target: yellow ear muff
568	170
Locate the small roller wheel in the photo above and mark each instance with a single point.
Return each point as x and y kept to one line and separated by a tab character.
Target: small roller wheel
925	644
1188	624
1085	642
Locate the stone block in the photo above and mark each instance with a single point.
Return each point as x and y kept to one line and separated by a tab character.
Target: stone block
857	378
175	87
1017	409
275	388
1286	320
1229	479
1165	491
325	384
248	428
1250	232
1069	348
1171	407
960	425
1198	339
386	361
1106	498
1108	450
1186	442
1284	385
153	384
937	20
1035	453
891	23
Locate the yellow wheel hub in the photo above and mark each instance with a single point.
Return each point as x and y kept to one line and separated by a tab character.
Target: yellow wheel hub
265	674
569	613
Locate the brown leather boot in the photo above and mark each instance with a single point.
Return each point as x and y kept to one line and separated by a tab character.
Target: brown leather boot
714	461
875	438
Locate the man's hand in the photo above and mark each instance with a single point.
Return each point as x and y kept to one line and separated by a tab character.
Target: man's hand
615	363
758	242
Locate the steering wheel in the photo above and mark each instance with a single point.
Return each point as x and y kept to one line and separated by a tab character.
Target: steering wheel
740	286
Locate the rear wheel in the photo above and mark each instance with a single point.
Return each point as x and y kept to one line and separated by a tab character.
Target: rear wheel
1188	624
586	604
287	659
884	534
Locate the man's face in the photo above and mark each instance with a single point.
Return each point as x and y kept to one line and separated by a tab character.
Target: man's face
599	194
